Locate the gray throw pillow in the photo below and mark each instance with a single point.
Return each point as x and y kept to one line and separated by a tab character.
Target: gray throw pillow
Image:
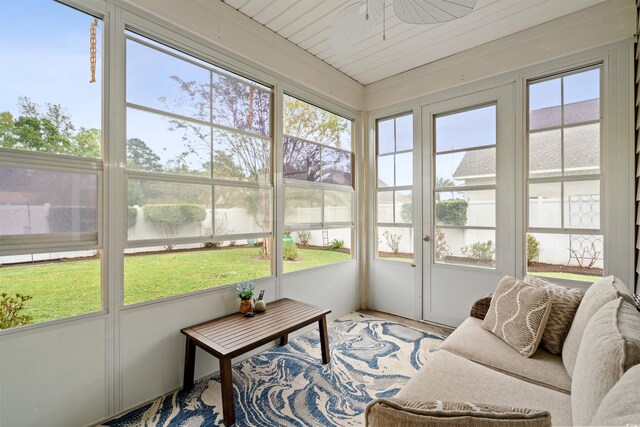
563	309
518	314
402	413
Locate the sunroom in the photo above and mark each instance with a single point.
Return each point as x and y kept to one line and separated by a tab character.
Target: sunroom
154	154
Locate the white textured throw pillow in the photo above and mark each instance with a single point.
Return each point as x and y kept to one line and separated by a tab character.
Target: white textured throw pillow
563	309
518	314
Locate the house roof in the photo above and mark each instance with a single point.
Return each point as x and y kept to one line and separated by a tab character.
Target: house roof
576	112
582	143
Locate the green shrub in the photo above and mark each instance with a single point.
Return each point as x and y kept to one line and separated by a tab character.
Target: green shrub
406	212
336	244
393	241
481	251
304	237
10	308
132	216
533	248
168	219
289	251
442	247
452	211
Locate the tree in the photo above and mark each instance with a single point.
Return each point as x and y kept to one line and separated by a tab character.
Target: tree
306	121
237	105
50	132
87	144
141	157
406	213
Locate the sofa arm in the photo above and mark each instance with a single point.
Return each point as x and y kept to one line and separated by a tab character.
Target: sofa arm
412	413
480	308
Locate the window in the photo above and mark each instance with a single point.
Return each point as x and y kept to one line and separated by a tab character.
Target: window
318	196
465	187
394	201
564	237
198	172
50	162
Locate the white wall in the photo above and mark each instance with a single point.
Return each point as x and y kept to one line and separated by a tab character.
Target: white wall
54	376
596	26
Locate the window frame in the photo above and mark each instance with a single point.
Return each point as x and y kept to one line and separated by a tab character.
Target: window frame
562	179
467	188
164	47
393	188
322	225
321	186
52	162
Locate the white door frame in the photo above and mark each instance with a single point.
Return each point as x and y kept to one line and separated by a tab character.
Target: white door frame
444	304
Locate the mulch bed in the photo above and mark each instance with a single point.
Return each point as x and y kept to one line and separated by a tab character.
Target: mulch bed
324	248
558	268
392	255
469	261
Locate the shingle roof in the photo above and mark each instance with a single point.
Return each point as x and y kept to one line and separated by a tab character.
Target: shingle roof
582	143
577	112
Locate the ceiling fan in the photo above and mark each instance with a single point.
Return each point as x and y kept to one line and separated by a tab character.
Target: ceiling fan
358	20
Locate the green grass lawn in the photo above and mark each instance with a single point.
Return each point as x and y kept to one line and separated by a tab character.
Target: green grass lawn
68	288
566	276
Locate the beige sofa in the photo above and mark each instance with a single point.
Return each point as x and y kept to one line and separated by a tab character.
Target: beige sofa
595	381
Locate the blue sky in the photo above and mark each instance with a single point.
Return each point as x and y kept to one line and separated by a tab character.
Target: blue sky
44	54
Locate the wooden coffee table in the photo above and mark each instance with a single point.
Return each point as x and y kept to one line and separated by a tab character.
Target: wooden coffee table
233	335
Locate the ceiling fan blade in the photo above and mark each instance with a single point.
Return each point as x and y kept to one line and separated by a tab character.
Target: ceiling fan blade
350	26
432	11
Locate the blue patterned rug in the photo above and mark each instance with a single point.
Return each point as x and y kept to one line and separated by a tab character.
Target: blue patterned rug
289	386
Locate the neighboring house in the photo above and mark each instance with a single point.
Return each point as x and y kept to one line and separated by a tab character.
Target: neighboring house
581	156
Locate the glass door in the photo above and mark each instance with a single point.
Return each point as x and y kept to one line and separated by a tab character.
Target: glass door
467	148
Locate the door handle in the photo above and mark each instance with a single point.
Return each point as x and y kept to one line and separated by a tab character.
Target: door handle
426	238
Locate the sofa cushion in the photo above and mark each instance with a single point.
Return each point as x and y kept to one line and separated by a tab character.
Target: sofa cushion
610	346
446	376
410	413
601	292
563	309
518	314
621	406
472	342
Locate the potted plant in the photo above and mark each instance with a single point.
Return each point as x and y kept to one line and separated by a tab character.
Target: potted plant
245	291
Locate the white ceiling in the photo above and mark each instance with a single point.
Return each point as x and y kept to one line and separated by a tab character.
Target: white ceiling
307	24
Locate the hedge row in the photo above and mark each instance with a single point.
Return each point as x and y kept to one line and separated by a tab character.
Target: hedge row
178	214
452	211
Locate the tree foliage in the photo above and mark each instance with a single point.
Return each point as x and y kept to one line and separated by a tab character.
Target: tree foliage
142	158
533	248
406	212
10	310
132	216
303	120
452	211
167	219
51	131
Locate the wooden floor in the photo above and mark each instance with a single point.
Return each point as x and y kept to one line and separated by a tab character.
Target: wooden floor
436	329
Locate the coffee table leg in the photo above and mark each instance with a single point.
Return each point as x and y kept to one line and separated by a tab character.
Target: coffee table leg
284	340
324	339
189	364
228	408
